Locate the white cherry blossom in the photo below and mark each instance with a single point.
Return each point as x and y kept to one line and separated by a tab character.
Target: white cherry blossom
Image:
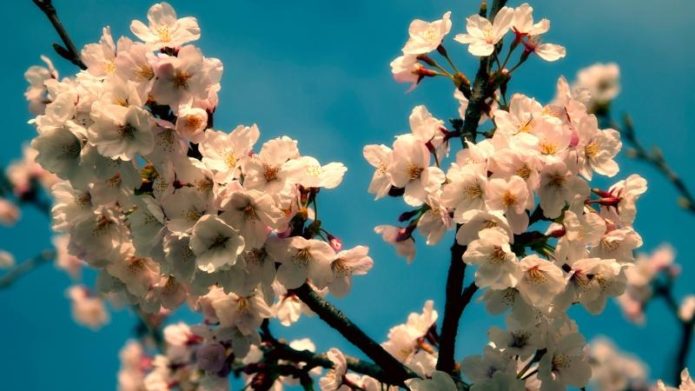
482	35
164	29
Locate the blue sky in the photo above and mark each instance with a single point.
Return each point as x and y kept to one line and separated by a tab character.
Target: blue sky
318	71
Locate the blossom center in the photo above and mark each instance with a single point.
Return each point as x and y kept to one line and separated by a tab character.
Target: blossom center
415	172
181	79
591	149
127	131
536	275
270	173
164	34
230	160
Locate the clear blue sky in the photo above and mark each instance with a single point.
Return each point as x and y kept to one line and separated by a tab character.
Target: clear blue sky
318	71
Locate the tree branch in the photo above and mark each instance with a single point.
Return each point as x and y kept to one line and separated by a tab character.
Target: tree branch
394	372
285	352
25	267
456	300
68	51
482	87
665	292
655	158
452	309
687	328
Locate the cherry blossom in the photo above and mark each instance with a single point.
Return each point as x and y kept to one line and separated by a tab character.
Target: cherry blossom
164	29
482	35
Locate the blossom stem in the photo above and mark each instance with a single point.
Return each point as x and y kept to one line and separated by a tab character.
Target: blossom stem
25	267
442	51
68	51
394	371
482	88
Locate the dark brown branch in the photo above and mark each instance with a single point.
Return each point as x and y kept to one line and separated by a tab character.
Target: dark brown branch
452	309
68	51
483	88
25	267
686	342
456	300
665	292
285	352
394	372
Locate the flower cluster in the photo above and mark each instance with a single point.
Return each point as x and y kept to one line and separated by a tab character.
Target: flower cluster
169	210
613	370
519	199
649	272
482	37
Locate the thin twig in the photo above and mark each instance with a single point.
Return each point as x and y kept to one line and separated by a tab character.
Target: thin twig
25	267
68	51
394	371
654	158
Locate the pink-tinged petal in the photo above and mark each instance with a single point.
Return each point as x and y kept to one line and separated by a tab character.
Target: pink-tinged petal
161	14
481	49
550	52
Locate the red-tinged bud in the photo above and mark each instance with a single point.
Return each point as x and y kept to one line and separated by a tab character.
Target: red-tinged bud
601	193
427	60
558	233
405	233
335	243
425	72
194	339
430	146
518	37
609	201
